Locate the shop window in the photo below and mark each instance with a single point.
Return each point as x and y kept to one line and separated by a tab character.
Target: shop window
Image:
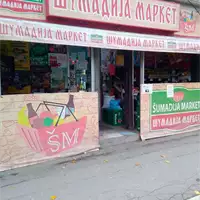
43	68
79	69
168	67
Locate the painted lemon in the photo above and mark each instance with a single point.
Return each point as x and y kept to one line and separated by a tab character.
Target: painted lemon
23	118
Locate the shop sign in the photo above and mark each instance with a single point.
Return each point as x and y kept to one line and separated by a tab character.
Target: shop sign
142	13
175	113
170	109
30	9
11	29
189	22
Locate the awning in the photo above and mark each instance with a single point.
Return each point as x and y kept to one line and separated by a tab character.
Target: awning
40	32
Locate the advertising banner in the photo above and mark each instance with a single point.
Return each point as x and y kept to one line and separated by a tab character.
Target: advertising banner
35	128
20	52
152	14
168	109
38	32
27	9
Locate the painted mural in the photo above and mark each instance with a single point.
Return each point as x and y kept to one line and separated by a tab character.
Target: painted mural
34	128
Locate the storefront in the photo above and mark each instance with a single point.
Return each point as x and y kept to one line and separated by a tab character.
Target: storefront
56	119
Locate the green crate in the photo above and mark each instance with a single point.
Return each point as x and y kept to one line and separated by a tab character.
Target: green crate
113	117
137	123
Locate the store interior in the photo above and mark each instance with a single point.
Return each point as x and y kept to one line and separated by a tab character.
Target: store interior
158	68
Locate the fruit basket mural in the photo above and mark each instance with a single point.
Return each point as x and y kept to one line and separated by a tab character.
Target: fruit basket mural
52	127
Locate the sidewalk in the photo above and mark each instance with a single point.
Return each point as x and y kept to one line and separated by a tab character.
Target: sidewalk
123	169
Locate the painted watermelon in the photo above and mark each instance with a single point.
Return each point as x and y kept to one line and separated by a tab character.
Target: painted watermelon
178	96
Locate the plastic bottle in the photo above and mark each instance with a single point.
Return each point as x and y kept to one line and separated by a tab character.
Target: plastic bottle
70	105
32	115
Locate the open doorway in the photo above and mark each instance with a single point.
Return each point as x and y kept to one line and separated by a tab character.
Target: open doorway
116	92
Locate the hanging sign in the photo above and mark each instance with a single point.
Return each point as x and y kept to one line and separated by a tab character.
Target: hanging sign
141	13
29	9
57	60
38	32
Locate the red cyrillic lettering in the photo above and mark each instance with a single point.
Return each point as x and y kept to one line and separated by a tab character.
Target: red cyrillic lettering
59	35
174	15
45	33
148	13
73	2
49	34
84	5
119	41
3	29
149	44
27	32
129	42
85	37
124	42
33	33
105	11
109	40
133	42
121	8
95	6
75	36
168	15
161	14
65	35
114	8
114	40
140	11
127	9
39	32
80	36
70	35
60	4
19	31
155	12
11	29
145	43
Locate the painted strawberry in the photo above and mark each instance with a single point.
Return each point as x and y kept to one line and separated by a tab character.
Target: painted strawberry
178	96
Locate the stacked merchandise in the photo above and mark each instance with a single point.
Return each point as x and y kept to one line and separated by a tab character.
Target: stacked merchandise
112	116
19	53
58	63
40	71
137	112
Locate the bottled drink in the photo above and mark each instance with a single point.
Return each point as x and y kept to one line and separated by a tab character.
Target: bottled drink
70	105
32	115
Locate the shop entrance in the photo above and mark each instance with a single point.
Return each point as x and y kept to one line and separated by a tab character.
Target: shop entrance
122	75
116	92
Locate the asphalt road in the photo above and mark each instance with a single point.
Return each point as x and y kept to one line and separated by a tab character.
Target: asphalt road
159	169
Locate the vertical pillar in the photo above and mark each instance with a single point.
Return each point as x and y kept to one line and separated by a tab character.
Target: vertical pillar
133	101
68	69
98	77
0	78
142	56
92	69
